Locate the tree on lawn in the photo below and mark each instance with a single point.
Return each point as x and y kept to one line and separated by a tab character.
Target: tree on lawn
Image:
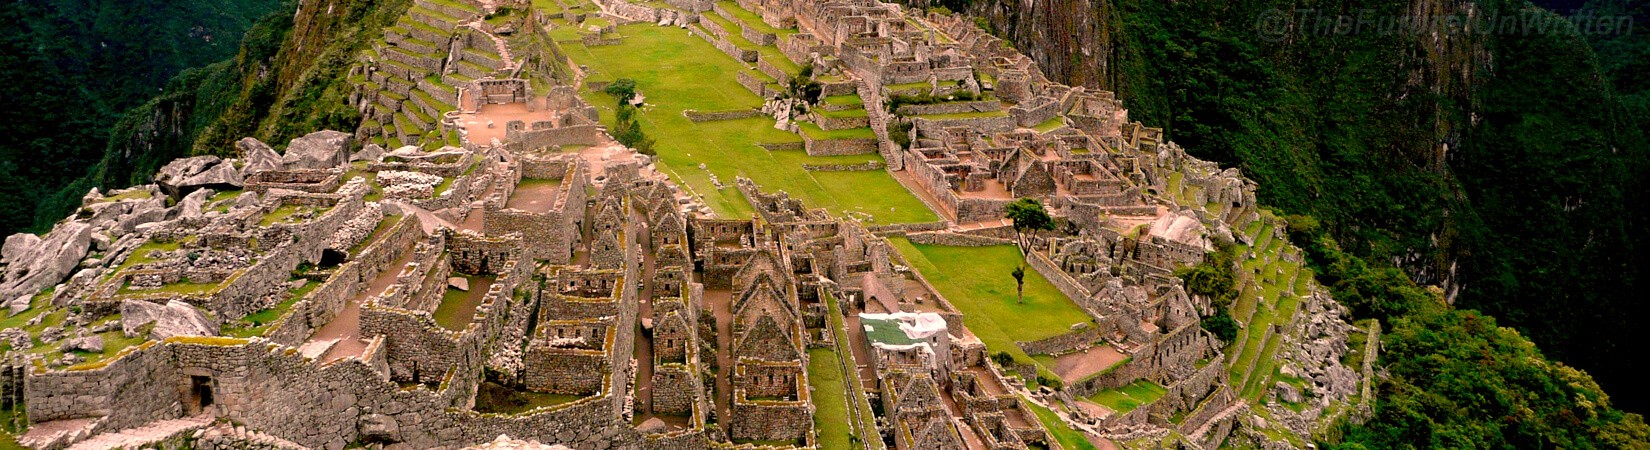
1028	215
622	89
1019	274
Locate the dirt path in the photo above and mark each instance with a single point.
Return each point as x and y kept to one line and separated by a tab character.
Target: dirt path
346	327
720	303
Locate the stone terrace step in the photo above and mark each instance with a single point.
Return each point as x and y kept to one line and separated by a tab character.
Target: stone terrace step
149	433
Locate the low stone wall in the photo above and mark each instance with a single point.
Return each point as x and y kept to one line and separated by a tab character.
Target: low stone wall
971	210
549	137
949	108
566	371
1061	280
125	393
782	146
860	167
709	116
1030	117
829	123
755	85
988	124
1063	343
956	239
766	67
832	147
675	388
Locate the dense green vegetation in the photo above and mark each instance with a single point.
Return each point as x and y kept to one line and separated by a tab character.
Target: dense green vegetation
1532	202
72	69
1511	165
1456	379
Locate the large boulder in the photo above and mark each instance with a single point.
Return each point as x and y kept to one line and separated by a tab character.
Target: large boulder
378	428
192	203
93	343
47	262
369	152
175	318
183	176
257	156
18	245
318	150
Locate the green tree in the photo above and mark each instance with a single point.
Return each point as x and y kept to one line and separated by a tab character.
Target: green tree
1028	215
622	89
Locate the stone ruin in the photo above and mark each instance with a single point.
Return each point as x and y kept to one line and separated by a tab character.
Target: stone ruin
503	294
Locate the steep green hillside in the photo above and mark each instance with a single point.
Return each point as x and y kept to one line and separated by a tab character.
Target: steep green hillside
289	77
72	68
1507	168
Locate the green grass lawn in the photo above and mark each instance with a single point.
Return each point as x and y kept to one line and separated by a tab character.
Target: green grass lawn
814	131
1129	397
977	281
676	71
844	100
1050	124
831	418
1068	438
457	307
281	214
867	424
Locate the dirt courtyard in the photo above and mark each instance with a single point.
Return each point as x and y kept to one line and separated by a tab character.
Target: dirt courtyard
1076	366
475	125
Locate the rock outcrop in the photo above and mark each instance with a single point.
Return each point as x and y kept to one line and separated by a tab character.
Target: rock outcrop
175	318
44	263
318	150
184	176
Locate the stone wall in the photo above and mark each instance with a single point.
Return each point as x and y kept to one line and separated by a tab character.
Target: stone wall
989	124
530	139
565	371
708	116
770	421
1061	280
956	239
1062	343
832	147
756	85
867	166
675	389
829	123
125	393
278	392
322	304
949	108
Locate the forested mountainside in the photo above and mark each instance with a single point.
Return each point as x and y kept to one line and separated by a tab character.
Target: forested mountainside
1506	168
74	67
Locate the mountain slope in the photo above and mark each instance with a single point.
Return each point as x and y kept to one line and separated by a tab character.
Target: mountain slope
1501	167
74	67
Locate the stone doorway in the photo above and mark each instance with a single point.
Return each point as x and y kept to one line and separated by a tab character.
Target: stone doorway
199	397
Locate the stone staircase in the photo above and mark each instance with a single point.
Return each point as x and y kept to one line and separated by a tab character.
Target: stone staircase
228	436
150	433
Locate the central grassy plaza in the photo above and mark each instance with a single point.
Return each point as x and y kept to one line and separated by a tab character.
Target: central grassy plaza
676	71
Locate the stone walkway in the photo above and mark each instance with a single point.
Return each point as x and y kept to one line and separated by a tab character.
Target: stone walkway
149	433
